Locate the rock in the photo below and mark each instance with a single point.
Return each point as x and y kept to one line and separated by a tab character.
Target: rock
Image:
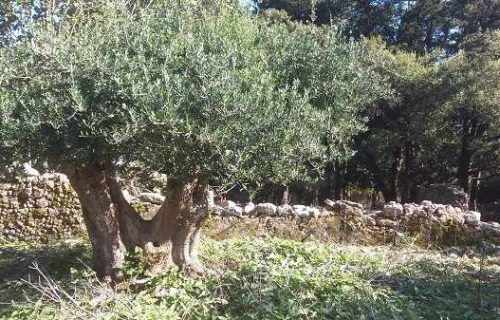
369	221
440	210
490	229
265	209
376	213
305	211
155	198
329	203
342	204
426	203
62	178
387	223
50	184
455	215
354	212
353	204
29	171
393	210
232	209
249	208
128	197
472	218
410	208
285	210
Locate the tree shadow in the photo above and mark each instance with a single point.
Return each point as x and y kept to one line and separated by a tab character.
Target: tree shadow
446	290
423	289
59	261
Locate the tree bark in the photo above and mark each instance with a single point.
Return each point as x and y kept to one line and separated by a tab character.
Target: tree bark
464	163
178	222
113	225
397	164
101	218
285	198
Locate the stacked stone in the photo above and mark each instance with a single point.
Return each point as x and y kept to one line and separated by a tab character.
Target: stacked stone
251	210
39	208
45	207
413	217
395	217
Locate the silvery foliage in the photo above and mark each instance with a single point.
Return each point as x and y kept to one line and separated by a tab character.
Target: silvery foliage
182	88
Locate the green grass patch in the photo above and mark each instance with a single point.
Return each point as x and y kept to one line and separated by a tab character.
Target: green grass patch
256	279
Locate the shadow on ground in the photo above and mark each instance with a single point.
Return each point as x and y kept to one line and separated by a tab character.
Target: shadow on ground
56	260
284	280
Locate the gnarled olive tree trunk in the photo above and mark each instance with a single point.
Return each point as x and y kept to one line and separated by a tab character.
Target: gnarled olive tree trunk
177	224
101	218
113	225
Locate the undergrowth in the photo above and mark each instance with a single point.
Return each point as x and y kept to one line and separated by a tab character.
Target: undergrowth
255	279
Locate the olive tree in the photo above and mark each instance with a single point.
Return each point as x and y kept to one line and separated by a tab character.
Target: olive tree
186	89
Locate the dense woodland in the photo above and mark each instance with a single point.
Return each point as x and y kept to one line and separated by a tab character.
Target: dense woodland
319	97
440	124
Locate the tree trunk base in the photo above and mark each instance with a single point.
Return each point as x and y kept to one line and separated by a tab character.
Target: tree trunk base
172	237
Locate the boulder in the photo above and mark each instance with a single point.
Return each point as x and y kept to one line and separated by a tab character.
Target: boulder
305	211
29	171
410	209
285	210
232	209
342	204
472	218
440	210
393	210
128	197
455	215
265	209
369	221
150	197
352	204
329	203
249	208
490	229
386	223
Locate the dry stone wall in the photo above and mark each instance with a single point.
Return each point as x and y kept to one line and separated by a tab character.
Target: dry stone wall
434	222
39	208
45	207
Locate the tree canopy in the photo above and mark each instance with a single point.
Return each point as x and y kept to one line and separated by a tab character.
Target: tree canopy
183	90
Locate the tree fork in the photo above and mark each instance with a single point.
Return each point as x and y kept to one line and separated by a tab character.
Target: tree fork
113	225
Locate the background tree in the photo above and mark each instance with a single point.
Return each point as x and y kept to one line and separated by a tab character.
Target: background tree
400	125
471	113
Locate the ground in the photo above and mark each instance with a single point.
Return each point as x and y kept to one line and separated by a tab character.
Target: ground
255	278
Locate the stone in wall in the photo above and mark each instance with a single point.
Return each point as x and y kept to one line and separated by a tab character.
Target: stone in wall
39	208
445	194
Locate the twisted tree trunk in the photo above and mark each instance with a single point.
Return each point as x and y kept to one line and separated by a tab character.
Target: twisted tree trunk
113	225
177	223
101	218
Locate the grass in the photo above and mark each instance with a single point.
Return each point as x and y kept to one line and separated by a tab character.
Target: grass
255	278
